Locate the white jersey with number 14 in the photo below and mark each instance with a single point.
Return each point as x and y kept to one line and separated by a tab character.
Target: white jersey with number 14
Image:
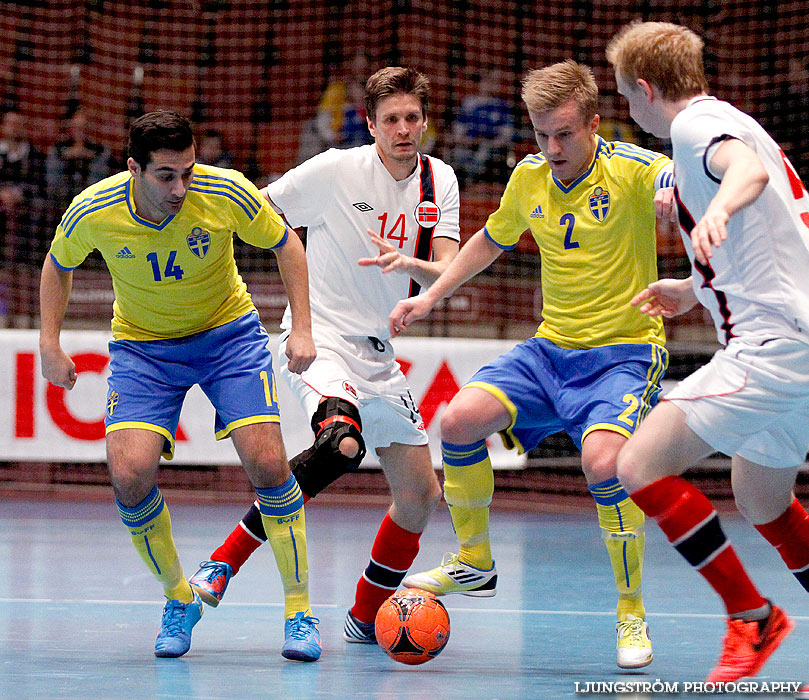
341	194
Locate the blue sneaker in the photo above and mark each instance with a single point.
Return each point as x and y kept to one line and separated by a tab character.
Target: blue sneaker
174	637
302	639
211	581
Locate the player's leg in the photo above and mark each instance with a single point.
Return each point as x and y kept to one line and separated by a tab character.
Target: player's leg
261	451
749	401
473	414
144	398
510	396
241	385
132	457
621	523
416	492
604	393
765	496
338	449
648	467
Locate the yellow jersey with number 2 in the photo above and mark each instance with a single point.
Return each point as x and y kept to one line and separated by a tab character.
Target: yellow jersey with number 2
597	242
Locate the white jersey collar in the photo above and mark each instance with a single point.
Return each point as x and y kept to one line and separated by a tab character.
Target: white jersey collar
379	164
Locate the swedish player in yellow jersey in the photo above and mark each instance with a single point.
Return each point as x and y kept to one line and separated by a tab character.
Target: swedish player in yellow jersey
182	316
593	369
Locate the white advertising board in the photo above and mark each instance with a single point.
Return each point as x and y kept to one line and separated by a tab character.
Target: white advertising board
47	423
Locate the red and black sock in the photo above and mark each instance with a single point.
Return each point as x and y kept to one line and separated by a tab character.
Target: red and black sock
789	534
691	524
391	556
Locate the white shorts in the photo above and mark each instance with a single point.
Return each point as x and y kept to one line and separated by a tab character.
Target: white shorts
751	399
365	373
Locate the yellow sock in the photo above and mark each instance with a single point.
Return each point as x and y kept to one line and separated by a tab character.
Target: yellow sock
468	489
285	524
622	528
149	525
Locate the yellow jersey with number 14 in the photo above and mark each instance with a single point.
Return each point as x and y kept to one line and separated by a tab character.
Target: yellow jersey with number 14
177	277
597	242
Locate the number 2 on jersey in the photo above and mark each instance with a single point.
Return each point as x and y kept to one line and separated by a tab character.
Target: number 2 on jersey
570	221
391	235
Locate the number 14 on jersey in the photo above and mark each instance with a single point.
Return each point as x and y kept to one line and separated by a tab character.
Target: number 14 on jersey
396	232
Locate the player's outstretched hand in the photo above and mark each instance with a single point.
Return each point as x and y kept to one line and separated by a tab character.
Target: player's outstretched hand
301	352
57	367
709	233
407	311
389	259
666	297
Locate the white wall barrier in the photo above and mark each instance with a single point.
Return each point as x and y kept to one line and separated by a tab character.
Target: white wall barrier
47	423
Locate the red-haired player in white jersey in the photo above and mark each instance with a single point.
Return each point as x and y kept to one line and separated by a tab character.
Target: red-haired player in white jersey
744	216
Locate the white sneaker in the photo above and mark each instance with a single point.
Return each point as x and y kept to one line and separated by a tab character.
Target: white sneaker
453	576
634	645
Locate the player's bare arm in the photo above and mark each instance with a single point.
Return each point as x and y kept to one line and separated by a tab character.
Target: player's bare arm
425	272
477	254
54	293
665	211
666	297
300	348
744	177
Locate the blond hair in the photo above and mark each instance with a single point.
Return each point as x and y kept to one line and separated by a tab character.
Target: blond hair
551	87
665	55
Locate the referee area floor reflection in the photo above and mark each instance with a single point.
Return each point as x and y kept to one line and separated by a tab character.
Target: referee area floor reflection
79	613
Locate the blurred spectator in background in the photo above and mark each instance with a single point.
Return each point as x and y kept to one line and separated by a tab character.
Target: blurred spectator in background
21	168
211	150
616	130
483	133
353	129
340	119
74	163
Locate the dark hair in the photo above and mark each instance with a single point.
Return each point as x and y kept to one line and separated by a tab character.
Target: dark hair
155	131
393	81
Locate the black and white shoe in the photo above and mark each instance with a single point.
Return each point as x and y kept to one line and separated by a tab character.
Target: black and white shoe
357	632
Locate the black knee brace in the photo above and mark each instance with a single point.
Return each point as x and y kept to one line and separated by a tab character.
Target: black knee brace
317	467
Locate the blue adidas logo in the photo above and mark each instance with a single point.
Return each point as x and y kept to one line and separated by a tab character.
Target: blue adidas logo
537	213
125	253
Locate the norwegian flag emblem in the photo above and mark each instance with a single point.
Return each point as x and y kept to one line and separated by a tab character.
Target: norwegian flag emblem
428	214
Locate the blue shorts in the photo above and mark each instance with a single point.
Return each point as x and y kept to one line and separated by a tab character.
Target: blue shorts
231	363
547	389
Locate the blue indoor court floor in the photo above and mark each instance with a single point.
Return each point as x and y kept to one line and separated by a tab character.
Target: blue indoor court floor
79	612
